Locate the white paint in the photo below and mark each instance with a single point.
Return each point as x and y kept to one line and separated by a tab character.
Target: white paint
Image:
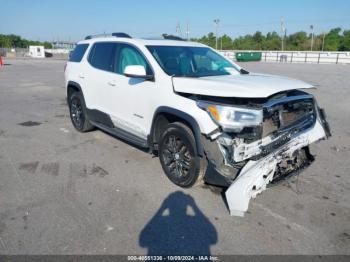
64	130
249	85
251	181
58	51
284	220
110	228
136	70
124	97
37	51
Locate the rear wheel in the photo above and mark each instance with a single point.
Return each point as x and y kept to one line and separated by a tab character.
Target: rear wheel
77	112
179	157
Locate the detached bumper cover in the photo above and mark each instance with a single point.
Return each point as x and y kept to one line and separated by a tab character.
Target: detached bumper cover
255	175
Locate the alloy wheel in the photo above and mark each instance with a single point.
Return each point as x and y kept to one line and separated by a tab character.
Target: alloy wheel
177	157
77	112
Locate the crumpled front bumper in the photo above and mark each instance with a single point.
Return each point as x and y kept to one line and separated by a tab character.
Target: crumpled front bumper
256	174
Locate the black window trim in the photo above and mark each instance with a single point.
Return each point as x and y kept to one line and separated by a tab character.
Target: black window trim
90	54
85	52
116	52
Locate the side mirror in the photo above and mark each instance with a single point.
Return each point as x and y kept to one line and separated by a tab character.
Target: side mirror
137	71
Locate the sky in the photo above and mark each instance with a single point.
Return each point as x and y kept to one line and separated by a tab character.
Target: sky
72	20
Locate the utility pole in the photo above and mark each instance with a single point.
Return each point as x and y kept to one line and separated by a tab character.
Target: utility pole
285	38
282	34
312	36
187	32
324	35
216	21
178	30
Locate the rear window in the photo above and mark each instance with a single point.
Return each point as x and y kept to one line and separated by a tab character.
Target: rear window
101	56
78	53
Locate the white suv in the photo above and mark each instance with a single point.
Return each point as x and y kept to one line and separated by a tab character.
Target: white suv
206	117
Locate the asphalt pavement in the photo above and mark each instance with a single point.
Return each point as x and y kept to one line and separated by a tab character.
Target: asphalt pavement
63	192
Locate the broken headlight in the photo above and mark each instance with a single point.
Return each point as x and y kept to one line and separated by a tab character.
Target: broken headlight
232	119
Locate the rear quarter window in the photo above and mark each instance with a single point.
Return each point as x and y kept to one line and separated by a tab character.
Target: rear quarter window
78	53
101	56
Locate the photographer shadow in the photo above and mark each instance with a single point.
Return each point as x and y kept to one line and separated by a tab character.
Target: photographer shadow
178	228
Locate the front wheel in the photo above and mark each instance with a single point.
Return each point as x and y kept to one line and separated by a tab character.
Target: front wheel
179	157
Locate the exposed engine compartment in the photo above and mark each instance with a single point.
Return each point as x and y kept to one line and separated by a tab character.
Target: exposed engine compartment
287	160
270	152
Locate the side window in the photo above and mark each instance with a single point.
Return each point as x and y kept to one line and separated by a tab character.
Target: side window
101	56
78	53
129	55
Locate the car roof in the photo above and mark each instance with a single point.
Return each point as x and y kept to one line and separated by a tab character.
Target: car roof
140	41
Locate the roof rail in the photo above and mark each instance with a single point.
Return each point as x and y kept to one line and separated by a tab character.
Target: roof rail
172	37
118	34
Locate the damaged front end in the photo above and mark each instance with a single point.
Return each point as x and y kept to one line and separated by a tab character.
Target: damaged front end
260	141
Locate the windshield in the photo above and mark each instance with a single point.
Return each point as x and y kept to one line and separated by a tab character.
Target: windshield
189	61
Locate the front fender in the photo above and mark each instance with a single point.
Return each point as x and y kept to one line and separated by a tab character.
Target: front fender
182	115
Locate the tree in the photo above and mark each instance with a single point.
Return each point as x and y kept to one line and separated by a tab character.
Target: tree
245	42
226	42
332	40
5	41
345	41
8	41
259	38
272	42
297	41
209	40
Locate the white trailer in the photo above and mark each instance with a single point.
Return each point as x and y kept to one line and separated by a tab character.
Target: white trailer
37	51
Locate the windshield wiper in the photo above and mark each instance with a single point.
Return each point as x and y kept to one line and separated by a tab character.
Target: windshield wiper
243	71
192	76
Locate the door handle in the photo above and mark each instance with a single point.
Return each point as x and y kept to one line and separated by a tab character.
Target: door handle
111	83
81	76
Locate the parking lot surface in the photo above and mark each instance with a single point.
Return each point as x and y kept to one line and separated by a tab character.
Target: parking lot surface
63	192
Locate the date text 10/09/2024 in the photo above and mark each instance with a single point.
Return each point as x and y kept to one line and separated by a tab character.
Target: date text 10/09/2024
173	258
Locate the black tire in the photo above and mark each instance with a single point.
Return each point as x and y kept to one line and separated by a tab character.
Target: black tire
77	112
179	157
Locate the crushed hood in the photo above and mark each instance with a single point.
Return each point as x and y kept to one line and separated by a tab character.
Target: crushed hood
249	85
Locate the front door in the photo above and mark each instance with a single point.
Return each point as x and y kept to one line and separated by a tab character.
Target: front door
130	100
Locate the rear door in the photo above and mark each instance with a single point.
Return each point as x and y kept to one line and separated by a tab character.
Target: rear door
74	68
99	73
